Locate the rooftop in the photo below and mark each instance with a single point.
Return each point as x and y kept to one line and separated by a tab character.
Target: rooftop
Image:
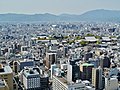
5	70
30	72
87	64
92	39
25	60
106	38
70	84
63	80
54	42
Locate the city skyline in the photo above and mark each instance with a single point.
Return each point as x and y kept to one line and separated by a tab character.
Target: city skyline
56	6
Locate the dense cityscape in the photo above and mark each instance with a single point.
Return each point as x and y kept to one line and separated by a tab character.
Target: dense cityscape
59	56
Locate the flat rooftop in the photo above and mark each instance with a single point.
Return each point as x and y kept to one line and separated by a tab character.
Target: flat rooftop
30	73
71	84
6	70
25	60
63	80
92	39
87	64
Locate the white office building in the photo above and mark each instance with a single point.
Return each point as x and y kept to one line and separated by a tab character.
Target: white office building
31	79
111	83
60	83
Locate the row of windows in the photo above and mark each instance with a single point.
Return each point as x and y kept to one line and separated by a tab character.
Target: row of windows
33	83
58	86
32	79
4	75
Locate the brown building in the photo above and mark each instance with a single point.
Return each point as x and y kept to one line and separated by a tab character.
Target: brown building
3	85
6	73
50	59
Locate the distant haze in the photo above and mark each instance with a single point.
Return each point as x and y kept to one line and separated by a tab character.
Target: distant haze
100	15
56	6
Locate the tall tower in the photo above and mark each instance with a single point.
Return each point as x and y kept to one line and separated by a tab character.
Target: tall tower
97	78
73	73
86	71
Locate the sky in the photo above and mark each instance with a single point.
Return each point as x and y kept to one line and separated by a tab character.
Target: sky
56	6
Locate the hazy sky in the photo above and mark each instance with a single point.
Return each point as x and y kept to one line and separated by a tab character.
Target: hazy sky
56	6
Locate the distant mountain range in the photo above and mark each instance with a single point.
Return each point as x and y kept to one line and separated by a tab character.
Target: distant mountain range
100	15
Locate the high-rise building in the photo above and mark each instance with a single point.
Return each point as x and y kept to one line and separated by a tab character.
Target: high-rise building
86	71
87	56
96	62
44	82
31	79
113	71
50	59
105	62
6	73
73	73
52	69
65	51
97	78
20	64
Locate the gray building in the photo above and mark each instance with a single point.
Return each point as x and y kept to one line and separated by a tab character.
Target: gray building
31	79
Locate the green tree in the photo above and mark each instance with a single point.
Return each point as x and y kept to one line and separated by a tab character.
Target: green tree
83	43
97	37
89	35
98	42
78	38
